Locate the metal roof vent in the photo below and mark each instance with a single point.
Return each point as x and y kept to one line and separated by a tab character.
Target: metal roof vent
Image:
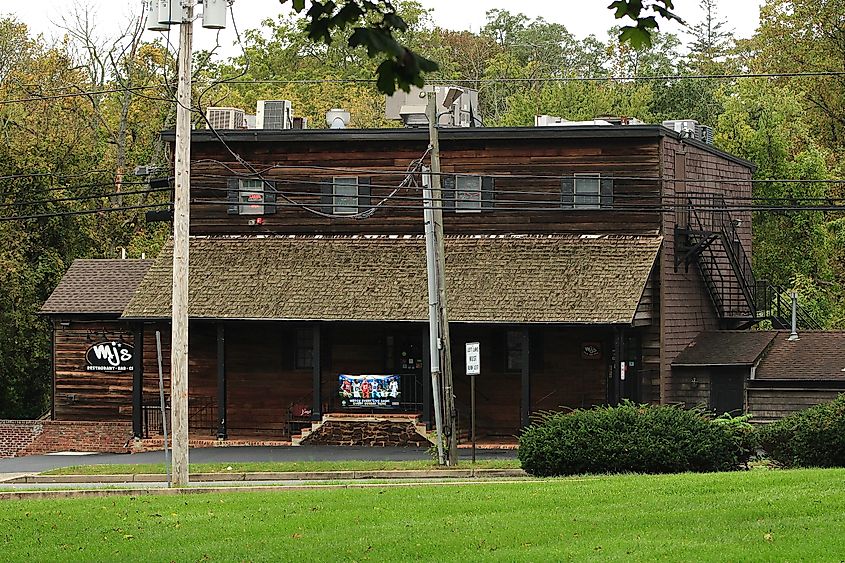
337	118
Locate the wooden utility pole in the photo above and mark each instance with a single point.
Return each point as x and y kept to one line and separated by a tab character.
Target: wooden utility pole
181	222
450	418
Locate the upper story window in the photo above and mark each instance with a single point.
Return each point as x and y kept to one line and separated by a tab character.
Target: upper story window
467	193
586	191
346	195
251	196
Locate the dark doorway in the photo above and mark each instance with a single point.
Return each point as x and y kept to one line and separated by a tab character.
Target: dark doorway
727	391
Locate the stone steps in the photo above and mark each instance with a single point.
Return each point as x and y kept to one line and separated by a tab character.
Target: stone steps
363	429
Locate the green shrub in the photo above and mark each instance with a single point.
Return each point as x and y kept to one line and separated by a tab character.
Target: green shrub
628	438
745	436
813	437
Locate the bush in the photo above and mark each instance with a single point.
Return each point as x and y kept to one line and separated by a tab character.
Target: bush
745	436
814	437
628	438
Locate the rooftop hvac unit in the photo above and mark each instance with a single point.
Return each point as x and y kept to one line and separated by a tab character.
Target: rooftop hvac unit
273	114
225	118
692	129
300	123
460	105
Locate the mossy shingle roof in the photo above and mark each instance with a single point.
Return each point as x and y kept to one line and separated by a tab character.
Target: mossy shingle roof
96	287
557	279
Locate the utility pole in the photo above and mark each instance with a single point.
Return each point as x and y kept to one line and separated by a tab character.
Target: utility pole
181	223
445	354
433	311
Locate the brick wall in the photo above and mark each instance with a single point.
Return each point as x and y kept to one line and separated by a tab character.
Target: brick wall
35	437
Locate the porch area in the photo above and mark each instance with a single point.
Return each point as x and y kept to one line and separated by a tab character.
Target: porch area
287	330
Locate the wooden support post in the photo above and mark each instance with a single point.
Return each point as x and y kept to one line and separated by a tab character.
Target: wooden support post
426	384
222	396
317	355
138	382
525	410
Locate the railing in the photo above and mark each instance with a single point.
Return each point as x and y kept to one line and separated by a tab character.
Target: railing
706	219
773	303
202	415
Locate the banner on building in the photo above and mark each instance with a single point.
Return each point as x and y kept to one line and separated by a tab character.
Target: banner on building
369	391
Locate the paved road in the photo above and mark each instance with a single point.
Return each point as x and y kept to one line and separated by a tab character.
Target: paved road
34	464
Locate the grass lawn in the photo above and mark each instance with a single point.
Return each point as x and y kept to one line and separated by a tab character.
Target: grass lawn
278	467
744	516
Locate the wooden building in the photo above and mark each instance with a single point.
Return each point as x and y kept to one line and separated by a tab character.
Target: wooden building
583	259
764	373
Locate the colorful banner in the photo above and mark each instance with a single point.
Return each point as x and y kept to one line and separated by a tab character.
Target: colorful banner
369	391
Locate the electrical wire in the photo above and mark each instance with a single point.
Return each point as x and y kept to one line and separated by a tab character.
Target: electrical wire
85	197
81	212
502	80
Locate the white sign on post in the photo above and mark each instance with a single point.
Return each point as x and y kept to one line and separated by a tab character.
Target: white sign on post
473	358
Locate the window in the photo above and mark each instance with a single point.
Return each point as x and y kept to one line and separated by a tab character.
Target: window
513	350
587	191
468	193
345	195
304	357
251	196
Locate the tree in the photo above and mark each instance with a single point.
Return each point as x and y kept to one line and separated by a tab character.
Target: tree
375	22
765	123
806	36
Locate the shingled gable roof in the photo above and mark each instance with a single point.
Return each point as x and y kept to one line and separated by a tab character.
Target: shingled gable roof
816	355
725	348
554	279
96	287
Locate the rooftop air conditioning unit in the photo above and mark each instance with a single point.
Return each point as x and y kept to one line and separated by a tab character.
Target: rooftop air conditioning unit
692	129
273	114
225	118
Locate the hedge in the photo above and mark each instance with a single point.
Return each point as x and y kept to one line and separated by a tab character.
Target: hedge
813	437
633	438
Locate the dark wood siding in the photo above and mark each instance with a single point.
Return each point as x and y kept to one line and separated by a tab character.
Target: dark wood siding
686	307
89	395
303	169
768	403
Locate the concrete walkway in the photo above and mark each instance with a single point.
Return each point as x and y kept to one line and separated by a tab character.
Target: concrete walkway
37	464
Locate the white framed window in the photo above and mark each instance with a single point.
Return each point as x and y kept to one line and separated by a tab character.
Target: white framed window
468	194
587	192
345	195
251	197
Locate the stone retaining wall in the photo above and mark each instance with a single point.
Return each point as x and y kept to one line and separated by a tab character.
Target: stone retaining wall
36	437
367	433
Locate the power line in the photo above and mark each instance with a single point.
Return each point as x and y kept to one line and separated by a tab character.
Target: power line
84	197
693	197
80	212
503	80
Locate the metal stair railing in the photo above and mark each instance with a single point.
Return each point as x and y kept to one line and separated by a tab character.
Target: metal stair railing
707	221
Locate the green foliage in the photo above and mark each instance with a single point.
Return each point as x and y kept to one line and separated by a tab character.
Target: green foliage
401	67
629	438
813	437
743	433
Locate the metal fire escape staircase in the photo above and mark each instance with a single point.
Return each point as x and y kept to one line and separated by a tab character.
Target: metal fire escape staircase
706	234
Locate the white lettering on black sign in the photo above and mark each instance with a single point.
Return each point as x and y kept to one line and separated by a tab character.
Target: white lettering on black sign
109	356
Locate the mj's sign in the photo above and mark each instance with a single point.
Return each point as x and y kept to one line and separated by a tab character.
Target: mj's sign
109	356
